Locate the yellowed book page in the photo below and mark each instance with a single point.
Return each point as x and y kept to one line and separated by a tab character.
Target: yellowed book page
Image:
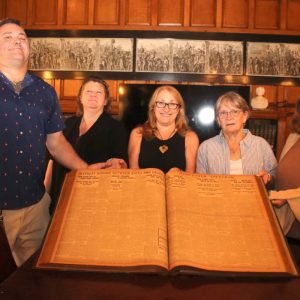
219	223
114	218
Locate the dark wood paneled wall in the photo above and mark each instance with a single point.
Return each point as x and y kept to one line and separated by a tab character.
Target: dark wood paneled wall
246	16
272	17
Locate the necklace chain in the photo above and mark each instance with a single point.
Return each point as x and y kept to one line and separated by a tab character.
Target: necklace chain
17	86
169	136
164	148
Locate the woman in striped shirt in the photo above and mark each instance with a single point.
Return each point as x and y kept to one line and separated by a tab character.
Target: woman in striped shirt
235	150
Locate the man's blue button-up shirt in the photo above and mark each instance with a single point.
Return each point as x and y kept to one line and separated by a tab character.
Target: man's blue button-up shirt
25	120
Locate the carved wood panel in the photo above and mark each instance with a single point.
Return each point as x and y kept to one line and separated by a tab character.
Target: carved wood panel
235	13
267	13
291	94
45	12
70	88
138	12
113	92
293	13
107	12
170	12
203	13
2	10
261	16
76	11
68	93
16	9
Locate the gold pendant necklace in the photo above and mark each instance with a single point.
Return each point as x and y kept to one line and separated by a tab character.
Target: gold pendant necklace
164	148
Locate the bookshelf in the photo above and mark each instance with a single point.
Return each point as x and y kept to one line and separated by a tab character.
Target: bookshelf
273	125
266	128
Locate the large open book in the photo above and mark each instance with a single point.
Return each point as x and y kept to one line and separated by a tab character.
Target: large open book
146	221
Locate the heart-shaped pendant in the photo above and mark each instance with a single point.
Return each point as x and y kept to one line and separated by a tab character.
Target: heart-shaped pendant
163	149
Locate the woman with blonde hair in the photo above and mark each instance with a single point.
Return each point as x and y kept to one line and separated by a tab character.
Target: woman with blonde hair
164	141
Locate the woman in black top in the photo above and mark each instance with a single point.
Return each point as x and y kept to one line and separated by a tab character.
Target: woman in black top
93	133
164	141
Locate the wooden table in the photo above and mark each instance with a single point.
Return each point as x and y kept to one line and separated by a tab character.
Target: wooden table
29	283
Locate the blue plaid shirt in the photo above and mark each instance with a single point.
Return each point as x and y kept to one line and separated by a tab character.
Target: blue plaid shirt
25	119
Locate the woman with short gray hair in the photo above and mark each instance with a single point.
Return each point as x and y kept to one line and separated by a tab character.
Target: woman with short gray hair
235	150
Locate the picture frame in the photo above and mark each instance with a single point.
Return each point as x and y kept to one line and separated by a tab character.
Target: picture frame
81	54
273	59
189	56
204	68
225	57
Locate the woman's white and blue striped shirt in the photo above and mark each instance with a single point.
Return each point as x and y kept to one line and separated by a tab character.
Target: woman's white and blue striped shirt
256	154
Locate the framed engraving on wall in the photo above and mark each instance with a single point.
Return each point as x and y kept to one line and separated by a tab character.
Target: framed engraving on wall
45	54
153	55
189	56
170	56
224	57
273	59
81	54
291	60
116	54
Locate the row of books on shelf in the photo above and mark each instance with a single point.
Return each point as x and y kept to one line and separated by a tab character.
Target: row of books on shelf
266	129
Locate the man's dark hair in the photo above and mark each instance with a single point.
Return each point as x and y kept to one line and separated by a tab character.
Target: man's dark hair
10	21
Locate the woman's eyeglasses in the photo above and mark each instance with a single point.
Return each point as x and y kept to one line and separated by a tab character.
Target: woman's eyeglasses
232	113
160	104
